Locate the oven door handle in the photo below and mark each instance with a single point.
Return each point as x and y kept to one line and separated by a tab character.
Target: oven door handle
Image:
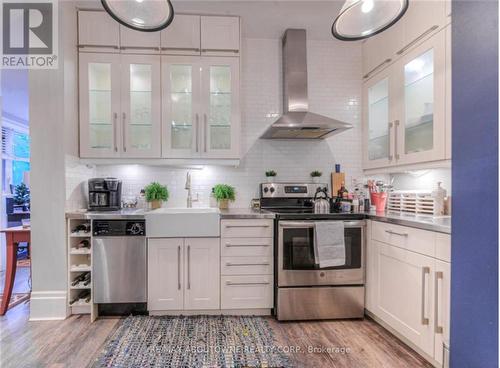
309	224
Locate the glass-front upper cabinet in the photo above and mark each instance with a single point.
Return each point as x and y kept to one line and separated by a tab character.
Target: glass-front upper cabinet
99	76
220	100
420	131
141	112
378	120
181	107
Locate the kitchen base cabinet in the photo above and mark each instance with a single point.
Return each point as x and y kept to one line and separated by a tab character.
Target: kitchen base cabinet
408	285
246	292
183	274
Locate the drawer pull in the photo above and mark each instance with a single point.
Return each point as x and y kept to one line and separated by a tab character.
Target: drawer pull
140	48
221	50
425	271
247	245
100	46
437	328
180	49
229	226
229	264
386	61
395	233
433	28
229	283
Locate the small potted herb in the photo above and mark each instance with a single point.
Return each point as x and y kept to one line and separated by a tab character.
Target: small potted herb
156	194
271	176
224	193
315	175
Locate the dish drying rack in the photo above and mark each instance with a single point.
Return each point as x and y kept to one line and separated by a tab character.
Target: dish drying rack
414	201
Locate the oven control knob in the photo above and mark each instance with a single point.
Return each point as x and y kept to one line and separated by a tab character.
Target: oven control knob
136	229
322	274
266	189
272	190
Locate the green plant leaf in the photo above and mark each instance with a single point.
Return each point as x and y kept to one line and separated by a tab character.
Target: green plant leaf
224	191
156	192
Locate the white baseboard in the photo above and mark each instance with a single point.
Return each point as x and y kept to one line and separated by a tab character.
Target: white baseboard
48	305
214	312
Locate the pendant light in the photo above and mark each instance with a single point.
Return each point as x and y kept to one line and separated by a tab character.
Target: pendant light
141	15
359	19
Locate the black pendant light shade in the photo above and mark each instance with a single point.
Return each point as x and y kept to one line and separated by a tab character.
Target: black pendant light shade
141	15
359	19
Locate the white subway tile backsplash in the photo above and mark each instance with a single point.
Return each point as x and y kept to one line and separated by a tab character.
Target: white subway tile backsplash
334	73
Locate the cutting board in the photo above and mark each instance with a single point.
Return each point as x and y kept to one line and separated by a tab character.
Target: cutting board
337	180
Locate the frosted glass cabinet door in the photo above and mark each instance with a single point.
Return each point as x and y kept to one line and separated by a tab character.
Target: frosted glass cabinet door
181	116
140	117
421	131
221	120
99	76
378	123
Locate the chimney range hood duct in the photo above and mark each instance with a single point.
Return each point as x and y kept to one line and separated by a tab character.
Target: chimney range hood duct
297	122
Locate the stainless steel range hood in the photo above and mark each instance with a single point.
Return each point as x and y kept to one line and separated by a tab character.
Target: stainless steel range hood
297	122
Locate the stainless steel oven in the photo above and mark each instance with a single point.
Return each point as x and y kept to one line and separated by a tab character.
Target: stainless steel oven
304	291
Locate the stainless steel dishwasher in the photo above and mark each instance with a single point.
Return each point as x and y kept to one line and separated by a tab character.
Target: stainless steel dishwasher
119	261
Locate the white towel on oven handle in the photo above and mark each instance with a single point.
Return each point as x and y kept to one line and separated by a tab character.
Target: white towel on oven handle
329	243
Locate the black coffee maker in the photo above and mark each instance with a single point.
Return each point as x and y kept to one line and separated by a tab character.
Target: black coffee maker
105	194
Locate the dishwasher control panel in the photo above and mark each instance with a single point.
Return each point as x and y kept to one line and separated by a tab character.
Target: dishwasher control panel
119	227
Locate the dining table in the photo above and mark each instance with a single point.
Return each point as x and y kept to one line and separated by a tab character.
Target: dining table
14	236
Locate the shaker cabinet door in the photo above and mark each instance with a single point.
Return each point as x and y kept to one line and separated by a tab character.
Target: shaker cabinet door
182	36
141	112
100	131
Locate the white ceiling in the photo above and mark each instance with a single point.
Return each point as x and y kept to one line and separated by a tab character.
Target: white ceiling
265	18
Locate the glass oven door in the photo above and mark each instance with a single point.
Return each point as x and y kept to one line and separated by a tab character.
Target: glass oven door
296	264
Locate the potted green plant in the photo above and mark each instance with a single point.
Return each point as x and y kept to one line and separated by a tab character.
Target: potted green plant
271	176
156	194
315	175
224	193
22	196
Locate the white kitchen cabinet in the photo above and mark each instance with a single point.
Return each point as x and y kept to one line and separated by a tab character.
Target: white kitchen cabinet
100	106
404	108
202	273
220	35
97	32
442	285
119	105
138	42
182	36
165	274
141	106
201	107
183	274
247	292
379	99
405	294
420	128
408	284
448	93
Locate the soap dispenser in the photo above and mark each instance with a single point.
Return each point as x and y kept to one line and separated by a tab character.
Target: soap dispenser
439	195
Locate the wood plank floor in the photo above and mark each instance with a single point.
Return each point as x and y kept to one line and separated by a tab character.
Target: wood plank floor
76	342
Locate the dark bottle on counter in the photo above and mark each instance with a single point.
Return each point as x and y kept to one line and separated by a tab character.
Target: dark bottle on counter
343	193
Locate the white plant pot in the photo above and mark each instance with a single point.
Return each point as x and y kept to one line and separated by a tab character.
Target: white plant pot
271	179
316	179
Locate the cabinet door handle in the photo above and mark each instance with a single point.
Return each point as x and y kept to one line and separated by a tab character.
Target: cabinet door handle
411	43
229	264
391	124
247	245
386	61
124	127
425	271
396	125
189	267
205	129
395	233
221	50
437	328
115	122
180	49
229	283
197	127
179	267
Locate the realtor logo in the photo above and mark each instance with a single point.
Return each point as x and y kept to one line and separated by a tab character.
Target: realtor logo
29	31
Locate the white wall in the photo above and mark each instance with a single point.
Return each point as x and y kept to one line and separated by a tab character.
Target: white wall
334	71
